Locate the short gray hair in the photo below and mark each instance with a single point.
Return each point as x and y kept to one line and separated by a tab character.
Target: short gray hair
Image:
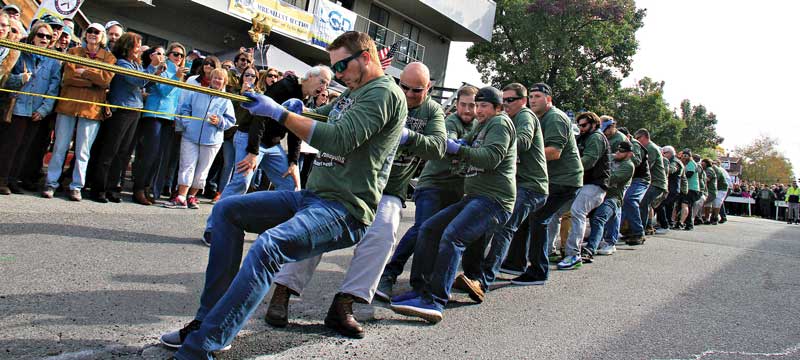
317	70
668	149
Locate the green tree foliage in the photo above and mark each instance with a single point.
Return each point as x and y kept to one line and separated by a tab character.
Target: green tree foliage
701	127
644	106
581	48
763	162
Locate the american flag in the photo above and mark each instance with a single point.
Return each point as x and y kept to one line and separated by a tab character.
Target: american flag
386	55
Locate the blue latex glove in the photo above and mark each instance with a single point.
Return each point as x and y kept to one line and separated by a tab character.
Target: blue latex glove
262	105
294	105
404	136
452	146
462	142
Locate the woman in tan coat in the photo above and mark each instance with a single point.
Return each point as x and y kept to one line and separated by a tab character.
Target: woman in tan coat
80	82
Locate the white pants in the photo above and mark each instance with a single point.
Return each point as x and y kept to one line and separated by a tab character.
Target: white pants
589	197
369	257
721	195
196	161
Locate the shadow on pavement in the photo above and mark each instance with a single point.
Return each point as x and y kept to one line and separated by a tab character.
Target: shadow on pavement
78	231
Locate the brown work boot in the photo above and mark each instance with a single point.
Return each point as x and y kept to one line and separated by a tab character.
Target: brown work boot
340	317
471	287
139	197
4	189
278	310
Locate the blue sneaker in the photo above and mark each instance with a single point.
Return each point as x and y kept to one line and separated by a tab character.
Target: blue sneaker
419	307
570	262
405	296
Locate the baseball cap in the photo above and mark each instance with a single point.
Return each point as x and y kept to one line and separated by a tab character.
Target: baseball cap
489	94
52	20
68	30
96	26
112	23
542	88
11	7
624	147
606	124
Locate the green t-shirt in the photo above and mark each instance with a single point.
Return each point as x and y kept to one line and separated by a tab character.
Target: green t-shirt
491	160
711	180
443	172
694	180
701	179
357	146
557	132
614	140
684	180
621	175
531	163
426	140
658	173
722	181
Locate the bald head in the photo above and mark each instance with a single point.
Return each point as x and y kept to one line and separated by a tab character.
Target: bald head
415	81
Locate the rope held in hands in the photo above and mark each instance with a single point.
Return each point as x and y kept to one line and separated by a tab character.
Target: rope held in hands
128	72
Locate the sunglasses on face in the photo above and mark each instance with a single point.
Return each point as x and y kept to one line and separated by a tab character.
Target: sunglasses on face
245	60
44	36
509	100
249	75
56	27
341	65
406	88
275	76
93	31
176	54
158	53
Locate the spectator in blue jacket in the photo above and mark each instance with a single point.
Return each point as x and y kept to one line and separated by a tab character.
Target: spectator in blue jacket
34	74
164	99
117	132
202	139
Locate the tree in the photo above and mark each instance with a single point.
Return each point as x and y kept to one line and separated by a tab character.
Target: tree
581	48
763	162
701	127
644	106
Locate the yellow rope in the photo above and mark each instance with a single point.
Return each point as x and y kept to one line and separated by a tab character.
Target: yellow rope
133	73
101	104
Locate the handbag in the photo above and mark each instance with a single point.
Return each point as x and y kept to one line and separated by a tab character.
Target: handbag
12	101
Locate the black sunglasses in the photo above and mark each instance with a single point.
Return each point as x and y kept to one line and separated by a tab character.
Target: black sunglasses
93	31
272	76
406	88
509	100
341	65
177	54
44	36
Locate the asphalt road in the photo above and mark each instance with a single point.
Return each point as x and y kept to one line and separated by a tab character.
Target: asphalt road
102	281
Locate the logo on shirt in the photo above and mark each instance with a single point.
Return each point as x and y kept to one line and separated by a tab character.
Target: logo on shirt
329	160
404	158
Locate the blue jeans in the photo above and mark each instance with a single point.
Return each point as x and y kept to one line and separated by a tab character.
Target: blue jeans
443	238
428	202
540	244
485	270
228	164
631	205
293	226
84	138
644	207
148	144
603	215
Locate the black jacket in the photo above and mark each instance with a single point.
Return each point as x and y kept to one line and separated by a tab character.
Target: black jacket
268	132
600	173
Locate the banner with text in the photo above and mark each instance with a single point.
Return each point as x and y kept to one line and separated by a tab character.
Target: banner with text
62	9
286	19
330	21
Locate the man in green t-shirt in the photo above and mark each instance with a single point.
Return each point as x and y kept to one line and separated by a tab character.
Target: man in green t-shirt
674	169
489	152
723	186
711	189
357	145
480	271
702	181
423	137
439	186
605	228
565	177
686	218
658	180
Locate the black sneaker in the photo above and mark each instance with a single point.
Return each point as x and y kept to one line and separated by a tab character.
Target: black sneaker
586	256
176	338
527	280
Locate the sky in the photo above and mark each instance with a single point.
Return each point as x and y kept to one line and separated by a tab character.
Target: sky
737	58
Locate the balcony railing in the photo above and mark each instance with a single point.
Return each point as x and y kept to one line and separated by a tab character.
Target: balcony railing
407	51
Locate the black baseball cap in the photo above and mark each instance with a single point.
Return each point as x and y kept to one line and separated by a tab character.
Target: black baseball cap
624	147
489	94
542	88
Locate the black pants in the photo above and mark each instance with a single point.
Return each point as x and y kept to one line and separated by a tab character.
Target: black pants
117	134
12	145
664	211
30	171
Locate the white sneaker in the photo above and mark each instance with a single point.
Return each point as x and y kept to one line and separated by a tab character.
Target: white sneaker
606	249
661	231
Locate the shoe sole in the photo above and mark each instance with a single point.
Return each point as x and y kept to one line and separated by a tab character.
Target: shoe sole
570	267
528	283
382	296
511	272
476	295
178	346
431	316
605	253
330	324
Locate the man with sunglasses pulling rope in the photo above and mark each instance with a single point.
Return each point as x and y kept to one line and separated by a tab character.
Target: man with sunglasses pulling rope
423	137
357	146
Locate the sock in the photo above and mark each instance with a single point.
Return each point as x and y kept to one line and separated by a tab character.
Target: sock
181	198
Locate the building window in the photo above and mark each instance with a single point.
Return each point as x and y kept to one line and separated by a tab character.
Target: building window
378	28
301	4
409	45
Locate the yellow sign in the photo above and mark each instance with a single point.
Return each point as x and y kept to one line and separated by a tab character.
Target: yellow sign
283	18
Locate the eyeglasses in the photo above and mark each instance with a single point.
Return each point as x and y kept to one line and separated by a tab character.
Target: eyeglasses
272	76
14	31
245	60
406	88
56	27
509	100
341	65
93	31
158	53
176	54
44	36
249	75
